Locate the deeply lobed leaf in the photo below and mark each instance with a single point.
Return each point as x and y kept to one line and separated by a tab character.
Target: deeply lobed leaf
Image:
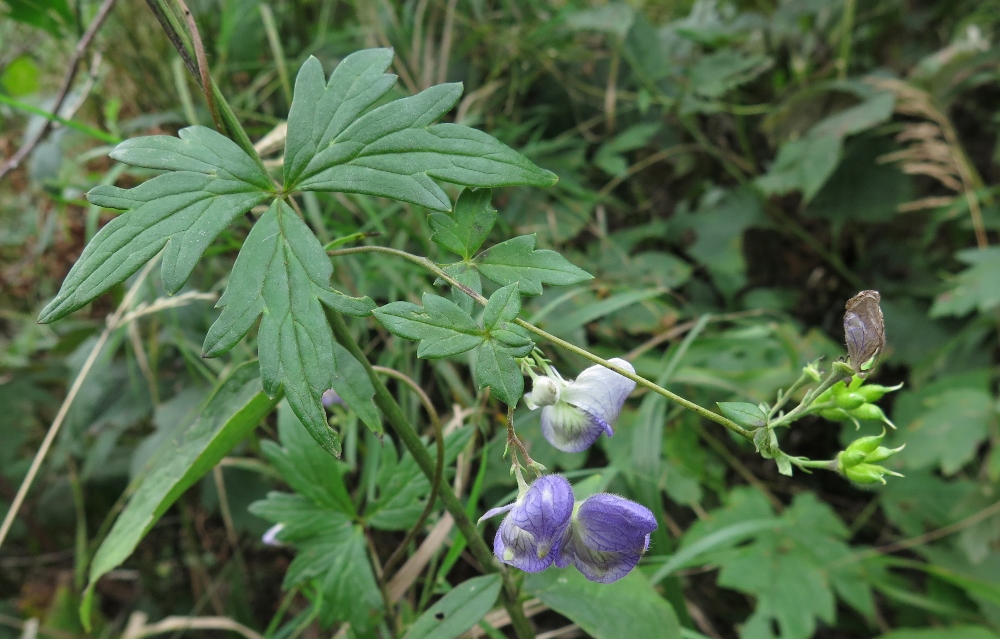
283	275
394	150
211	182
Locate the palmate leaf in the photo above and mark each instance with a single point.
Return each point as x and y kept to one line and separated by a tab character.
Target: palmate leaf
283	274
442	328
393	150
210	182
517	260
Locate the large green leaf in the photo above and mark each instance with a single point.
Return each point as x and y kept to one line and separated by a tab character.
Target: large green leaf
952	632
331	552
794	565
210	182
630	607
393	150
457	611
283	275
442	327
235	408
517	260
403	488
977	288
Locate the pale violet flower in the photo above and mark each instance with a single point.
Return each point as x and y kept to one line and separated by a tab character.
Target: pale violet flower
575	413
270	537
530	534
603	536
606	537
330	397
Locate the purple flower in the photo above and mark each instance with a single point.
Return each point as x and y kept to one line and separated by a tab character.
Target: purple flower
576	413
330	397
530	534
606	537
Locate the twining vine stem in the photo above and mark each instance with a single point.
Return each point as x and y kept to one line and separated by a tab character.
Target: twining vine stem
642	381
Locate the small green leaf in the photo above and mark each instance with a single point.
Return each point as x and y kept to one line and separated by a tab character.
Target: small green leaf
442	327
745	414
496	368
331	552
235	407
503	306
457	611
403	487
210	182
351	381
283	275
467	275
336	144
517	260
306	467
467	230
629	607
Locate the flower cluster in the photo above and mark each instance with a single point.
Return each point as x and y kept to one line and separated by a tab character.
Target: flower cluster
575	413
850	402
859	461
604	535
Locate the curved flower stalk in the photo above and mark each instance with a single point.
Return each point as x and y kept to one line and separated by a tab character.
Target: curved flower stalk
575	413
604	536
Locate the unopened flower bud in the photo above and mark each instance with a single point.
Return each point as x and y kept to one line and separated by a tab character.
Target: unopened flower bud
849	458
544	392
868	474
874	392
848	401
871	412
866	445
882	453
812	371
835	414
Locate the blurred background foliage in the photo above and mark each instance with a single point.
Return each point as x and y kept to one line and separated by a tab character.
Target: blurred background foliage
730	172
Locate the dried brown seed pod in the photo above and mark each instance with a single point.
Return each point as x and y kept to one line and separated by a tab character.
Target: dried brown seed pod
864	328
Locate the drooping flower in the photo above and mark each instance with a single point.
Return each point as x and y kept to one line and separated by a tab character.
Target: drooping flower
574	414
270	537
606	537
530	534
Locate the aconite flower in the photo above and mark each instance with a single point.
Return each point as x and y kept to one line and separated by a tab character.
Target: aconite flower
530	534
606	537
575	413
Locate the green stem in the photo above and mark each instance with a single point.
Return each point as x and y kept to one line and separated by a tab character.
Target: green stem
409	438
792	415
641	381
787	394
825	464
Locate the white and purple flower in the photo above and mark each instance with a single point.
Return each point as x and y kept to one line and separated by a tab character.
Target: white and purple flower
604	536
530	534
575	413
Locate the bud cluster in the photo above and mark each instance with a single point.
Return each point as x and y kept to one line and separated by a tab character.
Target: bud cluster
859	461
852	402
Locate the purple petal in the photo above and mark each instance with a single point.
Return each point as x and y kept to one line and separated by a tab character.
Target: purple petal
493	512
330	397
571	429
602	567
545	510
609	523
600	392
517	547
